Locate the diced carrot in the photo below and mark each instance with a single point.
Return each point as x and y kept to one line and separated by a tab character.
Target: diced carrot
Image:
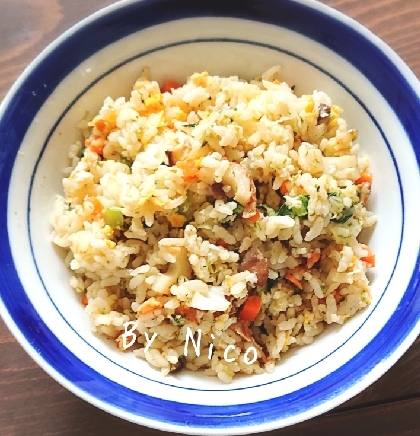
177	220
253	218
250	308
313	258
221	243
107	124
338	297
292	279
189	168
191	315
283	188
97	205
95	143
364	178
84	300
100	125
297	271
370	257
169	85
149	306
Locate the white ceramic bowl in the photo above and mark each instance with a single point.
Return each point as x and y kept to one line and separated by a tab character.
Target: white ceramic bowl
318	48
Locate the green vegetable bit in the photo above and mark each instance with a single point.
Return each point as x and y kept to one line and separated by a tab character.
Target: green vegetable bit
266	289
114	217
268	210
177	319
260	290
346	215
126	161
238	209
333	194
211	267
294	212
185	208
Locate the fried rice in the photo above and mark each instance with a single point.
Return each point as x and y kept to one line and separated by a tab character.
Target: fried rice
214	218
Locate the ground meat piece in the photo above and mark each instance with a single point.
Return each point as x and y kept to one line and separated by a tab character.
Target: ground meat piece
241	328
177	366
190	313
255	262
261	354
217	190
324	112
174	155
171	160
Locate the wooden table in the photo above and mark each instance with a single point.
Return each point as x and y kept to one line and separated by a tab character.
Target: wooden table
32	403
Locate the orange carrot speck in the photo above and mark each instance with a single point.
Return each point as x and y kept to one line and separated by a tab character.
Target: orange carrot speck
292	279
253	218
169	85
364	178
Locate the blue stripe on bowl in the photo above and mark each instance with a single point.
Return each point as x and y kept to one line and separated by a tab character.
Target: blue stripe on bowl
124	20
203	41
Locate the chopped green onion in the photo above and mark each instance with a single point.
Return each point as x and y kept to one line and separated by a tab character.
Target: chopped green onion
303	210
113	217
185	208
333	194
177	319
295	211
238	209
285	210
126	161
346	215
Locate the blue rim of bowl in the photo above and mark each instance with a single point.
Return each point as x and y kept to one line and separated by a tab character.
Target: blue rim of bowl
313	20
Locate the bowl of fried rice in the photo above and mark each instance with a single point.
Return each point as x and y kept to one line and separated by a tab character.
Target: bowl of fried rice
208	216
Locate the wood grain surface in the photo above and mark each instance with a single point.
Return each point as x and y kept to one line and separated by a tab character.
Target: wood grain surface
32	403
